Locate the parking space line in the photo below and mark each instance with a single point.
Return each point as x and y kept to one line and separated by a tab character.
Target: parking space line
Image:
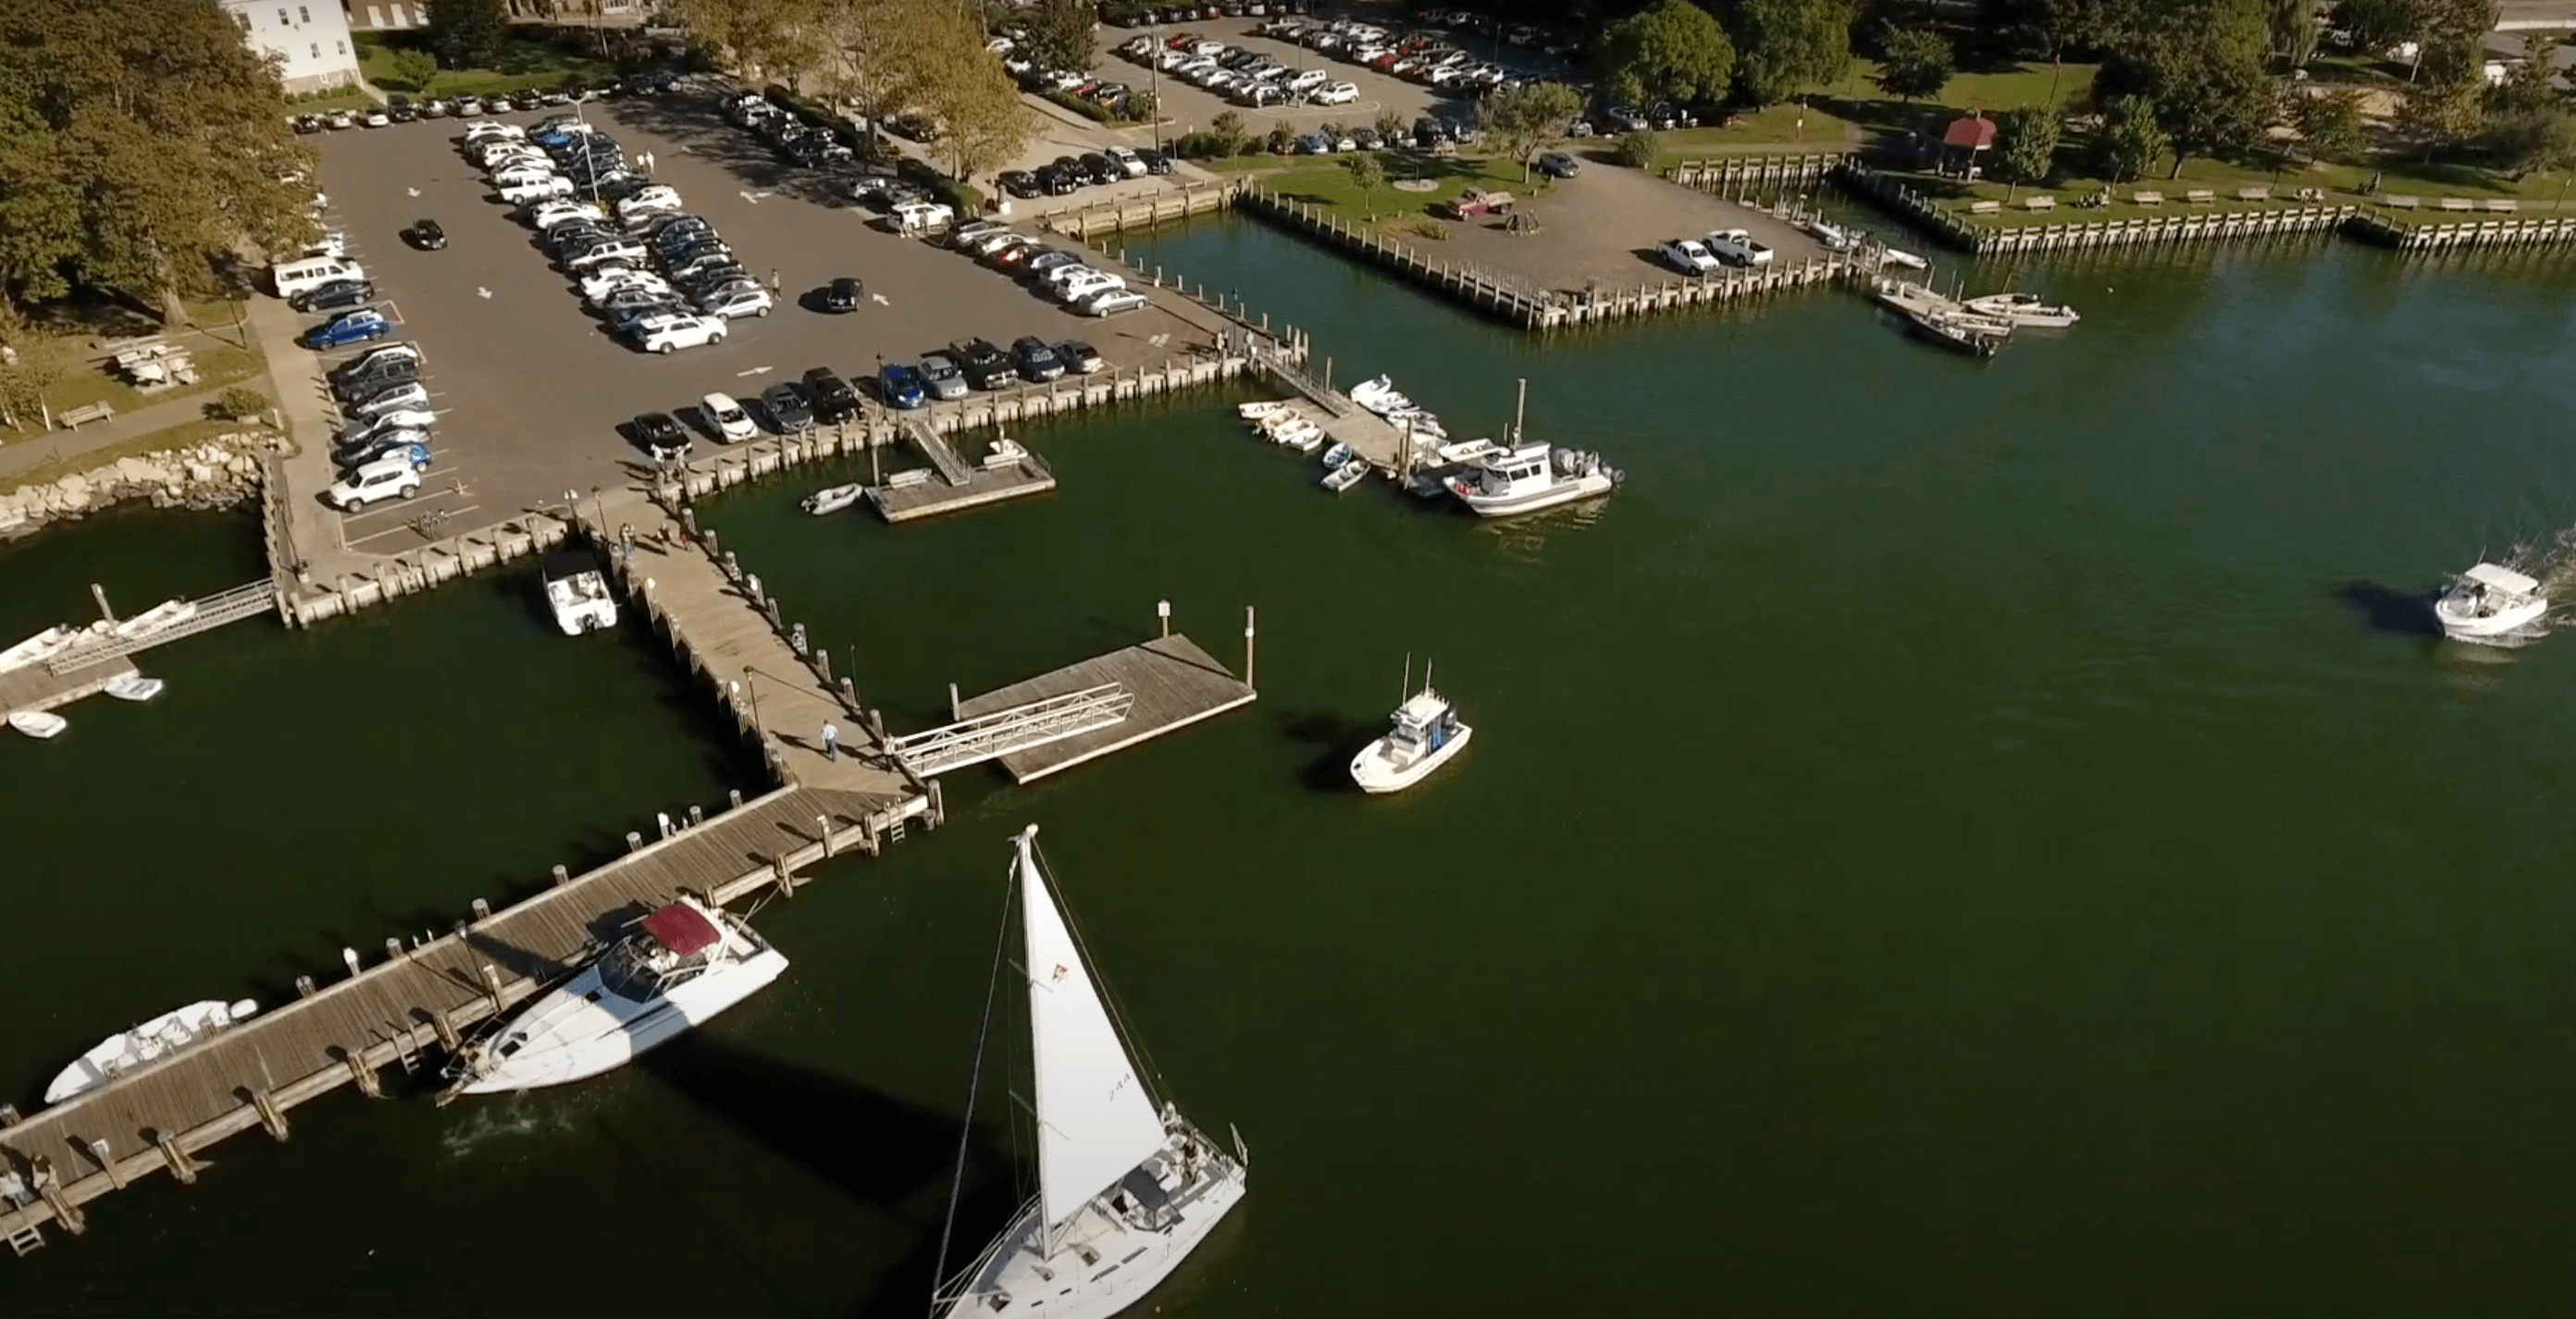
404	526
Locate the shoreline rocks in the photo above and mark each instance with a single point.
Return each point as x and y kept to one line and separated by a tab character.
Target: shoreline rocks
216	473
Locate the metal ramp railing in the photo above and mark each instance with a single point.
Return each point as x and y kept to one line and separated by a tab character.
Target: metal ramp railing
1002	732
212	612
935	447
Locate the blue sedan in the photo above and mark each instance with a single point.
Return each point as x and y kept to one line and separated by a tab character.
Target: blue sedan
340	331
901	386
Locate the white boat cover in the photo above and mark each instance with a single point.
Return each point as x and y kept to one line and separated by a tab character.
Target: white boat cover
2502	579
1095	1121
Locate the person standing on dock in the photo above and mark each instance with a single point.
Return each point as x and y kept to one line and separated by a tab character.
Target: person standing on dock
831	740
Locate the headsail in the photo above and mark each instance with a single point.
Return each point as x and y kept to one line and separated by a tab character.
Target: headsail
1095	1121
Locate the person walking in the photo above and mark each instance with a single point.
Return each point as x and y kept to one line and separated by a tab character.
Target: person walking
831	740
773	280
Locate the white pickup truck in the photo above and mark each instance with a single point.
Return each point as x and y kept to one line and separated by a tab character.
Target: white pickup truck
1736	247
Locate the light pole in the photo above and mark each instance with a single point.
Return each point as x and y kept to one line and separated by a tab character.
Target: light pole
1154	34
752	686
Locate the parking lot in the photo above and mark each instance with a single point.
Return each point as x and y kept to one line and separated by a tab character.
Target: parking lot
1190	108
530	390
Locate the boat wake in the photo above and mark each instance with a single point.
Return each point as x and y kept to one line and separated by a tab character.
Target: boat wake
493	1123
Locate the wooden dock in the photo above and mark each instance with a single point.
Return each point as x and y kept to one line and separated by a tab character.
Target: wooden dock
952	485
1174	684
36	687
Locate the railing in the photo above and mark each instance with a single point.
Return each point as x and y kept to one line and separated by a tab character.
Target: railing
952	468
1002	732
212	612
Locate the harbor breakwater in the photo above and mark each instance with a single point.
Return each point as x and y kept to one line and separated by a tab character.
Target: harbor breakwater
216	473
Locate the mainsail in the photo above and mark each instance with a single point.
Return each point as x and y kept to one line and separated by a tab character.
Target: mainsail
1095	1121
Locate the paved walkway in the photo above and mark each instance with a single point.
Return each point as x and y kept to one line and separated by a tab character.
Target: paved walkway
19	453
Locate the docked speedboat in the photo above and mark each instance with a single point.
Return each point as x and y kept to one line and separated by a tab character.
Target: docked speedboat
2490	603
135	687
1525	479
1977	336
159	618
1126	1188
1832	236
1426	732
39	724
1345	474
835	499
2024	309
686	963
1296	432
578	592
150	1042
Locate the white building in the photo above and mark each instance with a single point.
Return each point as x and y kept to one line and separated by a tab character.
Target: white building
311	38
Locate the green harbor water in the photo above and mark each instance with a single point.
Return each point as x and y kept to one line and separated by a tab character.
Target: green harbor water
1943	840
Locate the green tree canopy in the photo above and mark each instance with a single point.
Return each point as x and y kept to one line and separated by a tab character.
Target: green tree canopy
413	68
2026	143
1915	62
1058	34
2376	25
1368	174
141	143
468	34
2130	139
2330	124
1674	50
1521	120
2201	65
1785	45
2293	28
2533	140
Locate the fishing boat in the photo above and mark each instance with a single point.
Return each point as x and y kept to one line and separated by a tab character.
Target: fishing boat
683	964
1345	475
135	687
1977	337
1127	1188
2024	309
1337	455
1425	733
578	593
835	499
39	724
159	618
1530	477
2490	603
148	1043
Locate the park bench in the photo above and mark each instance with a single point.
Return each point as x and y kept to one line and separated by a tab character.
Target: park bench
2042	202
2258	193
2505	205
2404	201
2457	204
2201	195
2312	194
73	417
1984	207
2148	198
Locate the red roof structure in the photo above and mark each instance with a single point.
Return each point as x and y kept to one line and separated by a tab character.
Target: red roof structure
1975	132
681	929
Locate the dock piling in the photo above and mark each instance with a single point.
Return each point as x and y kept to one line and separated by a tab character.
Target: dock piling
350	956
482	911
9	1116
563	876
733	796
697	816
270	1116
1247	649
365	1078
304	987
181	1166
393	950
823	826
98	1149
634	841
448	1039
492	986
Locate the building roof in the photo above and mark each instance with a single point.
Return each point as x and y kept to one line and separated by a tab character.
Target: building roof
680	928
1975	132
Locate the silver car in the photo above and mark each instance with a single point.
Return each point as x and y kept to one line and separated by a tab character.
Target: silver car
942	376
736	302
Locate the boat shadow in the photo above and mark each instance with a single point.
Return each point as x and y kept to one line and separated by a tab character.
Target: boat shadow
2390	610
1335	739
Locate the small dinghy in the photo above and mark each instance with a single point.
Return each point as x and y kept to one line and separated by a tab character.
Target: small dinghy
1259	409
1337	455
135	687
1379	396
1300	434
39	724
835	499
1896	256
1345	475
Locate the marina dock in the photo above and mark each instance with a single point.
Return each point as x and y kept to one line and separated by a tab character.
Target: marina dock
952	484
1370	436
1173	682
91	662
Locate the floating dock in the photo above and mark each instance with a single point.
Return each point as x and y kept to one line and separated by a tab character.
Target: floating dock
35	687
1174	684
952	485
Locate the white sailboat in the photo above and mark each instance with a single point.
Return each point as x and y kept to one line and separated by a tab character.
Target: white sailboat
150	1042
1125	1190
686	963
2490	603
1426	732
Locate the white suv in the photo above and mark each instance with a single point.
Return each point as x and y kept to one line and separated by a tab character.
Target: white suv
665	334
386	478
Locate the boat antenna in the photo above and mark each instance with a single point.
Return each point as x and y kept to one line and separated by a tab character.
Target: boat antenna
1407	693
1519	406
1426	673
966	1131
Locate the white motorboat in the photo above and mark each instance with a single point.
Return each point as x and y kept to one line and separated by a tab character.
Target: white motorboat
686	963
1420	424
835	499
1261	408
578	592
1426	732
1524	479
1126	1189
1300	433
34	650
1834	237
159	618
2024	309
1468	451
2490	603
1897	256
1380	396
39	724
1004	452
148	1043
135	687
1345	475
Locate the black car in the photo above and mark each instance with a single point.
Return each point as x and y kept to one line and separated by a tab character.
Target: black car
1036	360
401	114
1558	165
1018	182
661	435
832	397
986	365
1078	357
1099	169
334	295
381	374
843	295
786	408
1058	182
1155	161
306	123
426	235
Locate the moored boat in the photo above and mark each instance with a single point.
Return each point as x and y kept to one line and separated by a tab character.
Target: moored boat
1974	336
135	687
148	1043
578	593
1833	237
159	618
1380	396
39	724
1335	456
2491	603
1526	478
1345	474
834	499
2024	309
1425	732
1259	408
35	649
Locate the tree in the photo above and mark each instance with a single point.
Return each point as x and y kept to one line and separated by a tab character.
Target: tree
2201	64
2026	144
1229	133
1785	45
1521	120
413	68
1390	125
1058	34
2130	139
1917	62
782	38
2293	28
2530	141
2054	27
1368	173
2442	112
2527	84
1673	50
1640	149
963	87
2453	37
468	34
141	144
2330	123
2376	25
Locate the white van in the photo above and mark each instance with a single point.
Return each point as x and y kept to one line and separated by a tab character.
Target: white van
293	277
918	217
552	185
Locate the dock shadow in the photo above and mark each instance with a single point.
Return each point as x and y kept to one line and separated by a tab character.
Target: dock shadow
2393	611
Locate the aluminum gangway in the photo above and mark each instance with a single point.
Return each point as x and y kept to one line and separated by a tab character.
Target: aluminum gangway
212	612
989	736
938	450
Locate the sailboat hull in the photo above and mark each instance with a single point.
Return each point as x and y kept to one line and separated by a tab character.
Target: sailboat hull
1103	1263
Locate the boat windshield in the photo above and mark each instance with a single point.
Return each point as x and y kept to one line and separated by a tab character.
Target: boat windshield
629	972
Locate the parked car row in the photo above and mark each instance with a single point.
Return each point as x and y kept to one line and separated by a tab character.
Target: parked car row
797	141
404	111
1245	77
972	364
383	443
1426	57
1719	247
1049	272
1065	174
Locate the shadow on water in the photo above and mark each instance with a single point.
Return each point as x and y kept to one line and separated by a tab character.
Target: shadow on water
2388	609
1336	740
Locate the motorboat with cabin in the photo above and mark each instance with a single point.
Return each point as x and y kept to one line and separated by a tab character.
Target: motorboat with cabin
578	592
2491	603
680	966
154	1040
2023	309
1528	477
1127	1187
1425	732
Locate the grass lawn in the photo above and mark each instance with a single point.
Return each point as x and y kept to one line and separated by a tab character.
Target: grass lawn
349	98
173	437
1780	130
85	381
2343	184
524	63
1323	183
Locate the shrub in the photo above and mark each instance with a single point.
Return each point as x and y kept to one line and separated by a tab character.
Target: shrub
959	197
240	403
1281	141
1081	105
1640	149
